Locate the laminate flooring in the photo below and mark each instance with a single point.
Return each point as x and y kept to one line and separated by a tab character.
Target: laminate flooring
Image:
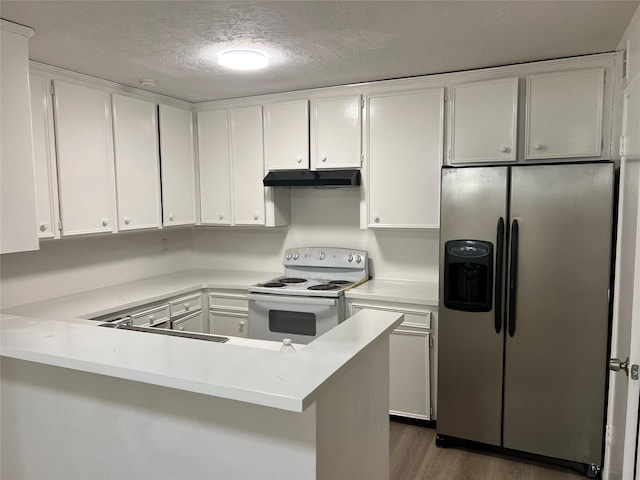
415	456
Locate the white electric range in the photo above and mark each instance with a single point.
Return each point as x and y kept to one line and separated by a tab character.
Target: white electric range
308	299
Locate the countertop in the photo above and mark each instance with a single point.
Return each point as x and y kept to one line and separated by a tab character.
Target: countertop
415	293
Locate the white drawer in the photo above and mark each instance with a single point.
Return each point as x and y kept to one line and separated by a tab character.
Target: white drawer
190	303
151	316
411	317
228	300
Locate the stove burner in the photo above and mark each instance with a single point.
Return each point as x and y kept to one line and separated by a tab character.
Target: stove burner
339	282
292	280
274	284
324	286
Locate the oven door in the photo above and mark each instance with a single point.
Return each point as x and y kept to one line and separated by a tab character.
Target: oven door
276	317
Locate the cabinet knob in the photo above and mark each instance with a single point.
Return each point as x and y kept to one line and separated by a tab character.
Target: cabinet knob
171	217
44	227
105	222
505	149
186	306
299	160
241	325
181	328
324	159
221	217
538	146
152	318
255	217
127	220
376	219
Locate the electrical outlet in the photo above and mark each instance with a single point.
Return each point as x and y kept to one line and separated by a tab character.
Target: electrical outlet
165	244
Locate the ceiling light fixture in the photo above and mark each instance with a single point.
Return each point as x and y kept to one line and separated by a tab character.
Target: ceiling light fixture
243	59
147	82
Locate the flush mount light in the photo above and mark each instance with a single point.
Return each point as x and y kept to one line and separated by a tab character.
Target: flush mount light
243	60
147	82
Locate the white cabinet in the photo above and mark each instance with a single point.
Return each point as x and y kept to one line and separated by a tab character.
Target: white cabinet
85	159
248	165
336	132
228	313
46	176
230	154
564	114
177	166
410	389
405	148
135	131
483	121
193	322
286	135
18	228
215	167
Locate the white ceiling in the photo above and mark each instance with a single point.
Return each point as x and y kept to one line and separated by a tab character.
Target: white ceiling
311	43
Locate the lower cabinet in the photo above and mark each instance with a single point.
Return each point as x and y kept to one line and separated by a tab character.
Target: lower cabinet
187	313
228	313
411	386
193	322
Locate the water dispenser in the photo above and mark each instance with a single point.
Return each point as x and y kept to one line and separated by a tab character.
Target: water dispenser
468	275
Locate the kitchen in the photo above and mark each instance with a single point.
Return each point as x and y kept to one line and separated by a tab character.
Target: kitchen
63	267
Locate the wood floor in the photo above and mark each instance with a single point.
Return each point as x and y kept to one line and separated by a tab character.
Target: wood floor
415	456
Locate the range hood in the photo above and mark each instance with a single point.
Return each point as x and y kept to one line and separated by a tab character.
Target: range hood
315	178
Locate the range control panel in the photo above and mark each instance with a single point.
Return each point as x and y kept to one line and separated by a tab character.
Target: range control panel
327	257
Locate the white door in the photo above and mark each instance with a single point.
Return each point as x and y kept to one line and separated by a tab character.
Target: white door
621	456
336	132
214	162
85	159
177	166
286	135
135	133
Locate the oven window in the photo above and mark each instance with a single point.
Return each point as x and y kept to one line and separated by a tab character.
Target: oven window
299	323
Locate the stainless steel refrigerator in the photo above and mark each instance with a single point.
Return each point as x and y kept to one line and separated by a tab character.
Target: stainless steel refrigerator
525	264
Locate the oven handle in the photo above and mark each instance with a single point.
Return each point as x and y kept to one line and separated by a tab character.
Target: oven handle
290	299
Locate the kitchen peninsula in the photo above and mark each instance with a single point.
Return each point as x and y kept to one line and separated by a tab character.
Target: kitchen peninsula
76	397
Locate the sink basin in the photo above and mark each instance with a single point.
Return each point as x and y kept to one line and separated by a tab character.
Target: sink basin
164	331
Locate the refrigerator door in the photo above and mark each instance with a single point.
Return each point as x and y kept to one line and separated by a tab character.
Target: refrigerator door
473	200
556	359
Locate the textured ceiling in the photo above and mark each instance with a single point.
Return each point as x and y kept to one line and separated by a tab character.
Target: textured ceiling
310	43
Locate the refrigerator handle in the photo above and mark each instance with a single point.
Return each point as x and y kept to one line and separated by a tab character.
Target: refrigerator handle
513	277
499	271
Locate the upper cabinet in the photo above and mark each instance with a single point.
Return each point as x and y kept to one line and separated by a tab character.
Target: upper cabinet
85	159
564	114
18	227
46	174
177	166
336	132
135	131
286	135
405	149
483	121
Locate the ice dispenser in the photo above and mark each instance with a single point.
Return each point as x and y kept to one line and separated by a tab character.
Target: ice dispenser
468	275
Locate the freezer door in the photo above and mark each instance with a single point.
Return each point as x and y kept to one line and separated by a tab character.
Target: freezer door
556	360
470	342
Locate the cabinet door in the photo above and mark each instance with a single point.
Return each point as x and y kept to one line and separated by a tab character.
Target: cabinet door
405	138
178	166
483	121
135	132
336	132
564	114
46	175
247	165
286	135
215	174
228	323
85	159
191	323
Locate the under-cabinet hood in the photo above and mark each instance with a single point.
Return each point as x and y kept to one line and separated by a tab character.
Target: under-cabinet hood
312	178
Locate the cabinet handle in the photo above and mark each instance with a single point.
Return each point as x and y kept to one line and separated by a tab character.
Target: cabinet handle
538	146
127	220
105	222
171	217
221	217
44	227
186	306
299	160
152	318
181	328
376	219
255	217
324	159
241	325
504	149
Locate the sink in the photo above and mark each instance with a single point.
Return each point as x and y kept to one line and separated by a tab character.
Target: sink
164	331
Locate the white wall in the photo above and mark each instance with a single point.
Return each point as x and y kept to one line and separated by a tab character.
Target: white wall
321	217
71	265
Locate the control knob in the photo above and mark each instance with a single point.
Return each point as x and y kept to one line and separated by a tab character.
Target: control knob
350	258
358	258
289	256
296	256
321	256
